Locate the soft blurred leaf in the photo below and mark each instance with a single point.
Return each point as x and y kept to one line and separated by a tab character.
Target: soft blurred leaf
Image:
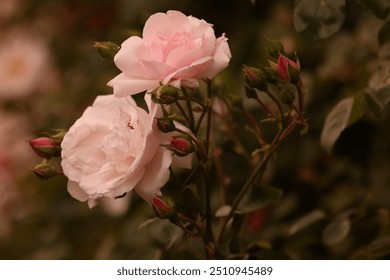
223	211
380	8
306	221
358	108
259	197
378	90
336	231
336	121
318	19
378	248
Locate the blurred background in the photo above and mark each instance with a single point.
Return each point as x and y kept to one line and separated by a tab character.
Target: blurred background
335	206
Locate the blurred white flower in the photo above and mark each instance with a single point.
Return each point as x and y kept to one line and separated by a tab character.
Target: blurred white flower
24	64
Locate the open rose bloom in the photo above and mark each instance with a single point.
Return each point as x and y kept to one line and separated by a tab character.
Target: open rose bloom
174	49
115	147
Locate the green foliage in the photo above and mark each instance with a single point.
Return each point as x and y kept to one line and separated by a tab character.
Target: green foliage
318	19
346	112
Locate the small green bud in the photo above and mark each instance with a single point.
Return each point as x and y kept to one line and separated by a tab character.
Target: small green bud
254	78
167	94
107	50
45	171
165	124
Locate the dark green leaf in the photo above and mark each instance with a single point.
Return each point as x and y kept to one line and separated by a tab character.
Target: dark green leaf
318	19
380	8
259	197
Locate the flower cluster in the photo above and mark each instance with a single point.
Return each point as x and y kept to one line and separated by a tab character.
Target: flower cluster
116	146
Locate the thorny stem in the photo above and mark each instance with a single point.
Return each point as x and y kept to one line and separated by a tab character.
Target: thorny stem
257	173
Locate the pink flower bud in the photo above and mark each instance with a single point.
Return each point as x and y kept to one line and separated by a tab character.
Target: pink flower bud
285	67
45	171
182	145
163	207
45	147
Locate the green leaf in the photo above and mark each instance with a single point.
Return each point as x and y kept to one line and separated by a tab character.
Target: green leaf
318	19
378	90
380	8
259	197
345	113
336	122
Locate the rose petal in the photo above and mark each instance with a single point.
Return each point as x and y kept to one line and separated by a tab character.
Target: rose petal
156	175
164	24
221	58
125	85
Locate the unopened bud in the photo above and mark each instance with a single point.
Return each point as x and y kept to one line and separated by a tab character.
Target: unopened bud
165	124
45	147
45	171
286	68
107	50
163	207
58	135
167	94
254	78
182	145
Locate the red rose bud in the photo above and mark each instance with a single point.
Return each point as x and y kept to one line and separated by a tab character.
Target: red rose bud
254	78
167	94
163	207
286	68
45	171
182	145
165	124
45	147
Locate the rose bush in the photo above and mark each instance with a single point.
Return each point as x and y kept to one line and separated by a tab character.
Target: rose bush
115	147
175	49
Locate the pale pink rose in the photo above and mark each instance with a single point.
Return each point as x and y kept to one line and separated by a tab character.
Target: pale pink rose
175	49
115	147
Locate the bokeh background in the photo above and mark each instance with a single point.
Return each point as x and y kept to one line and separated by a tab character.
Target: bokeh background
335	206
